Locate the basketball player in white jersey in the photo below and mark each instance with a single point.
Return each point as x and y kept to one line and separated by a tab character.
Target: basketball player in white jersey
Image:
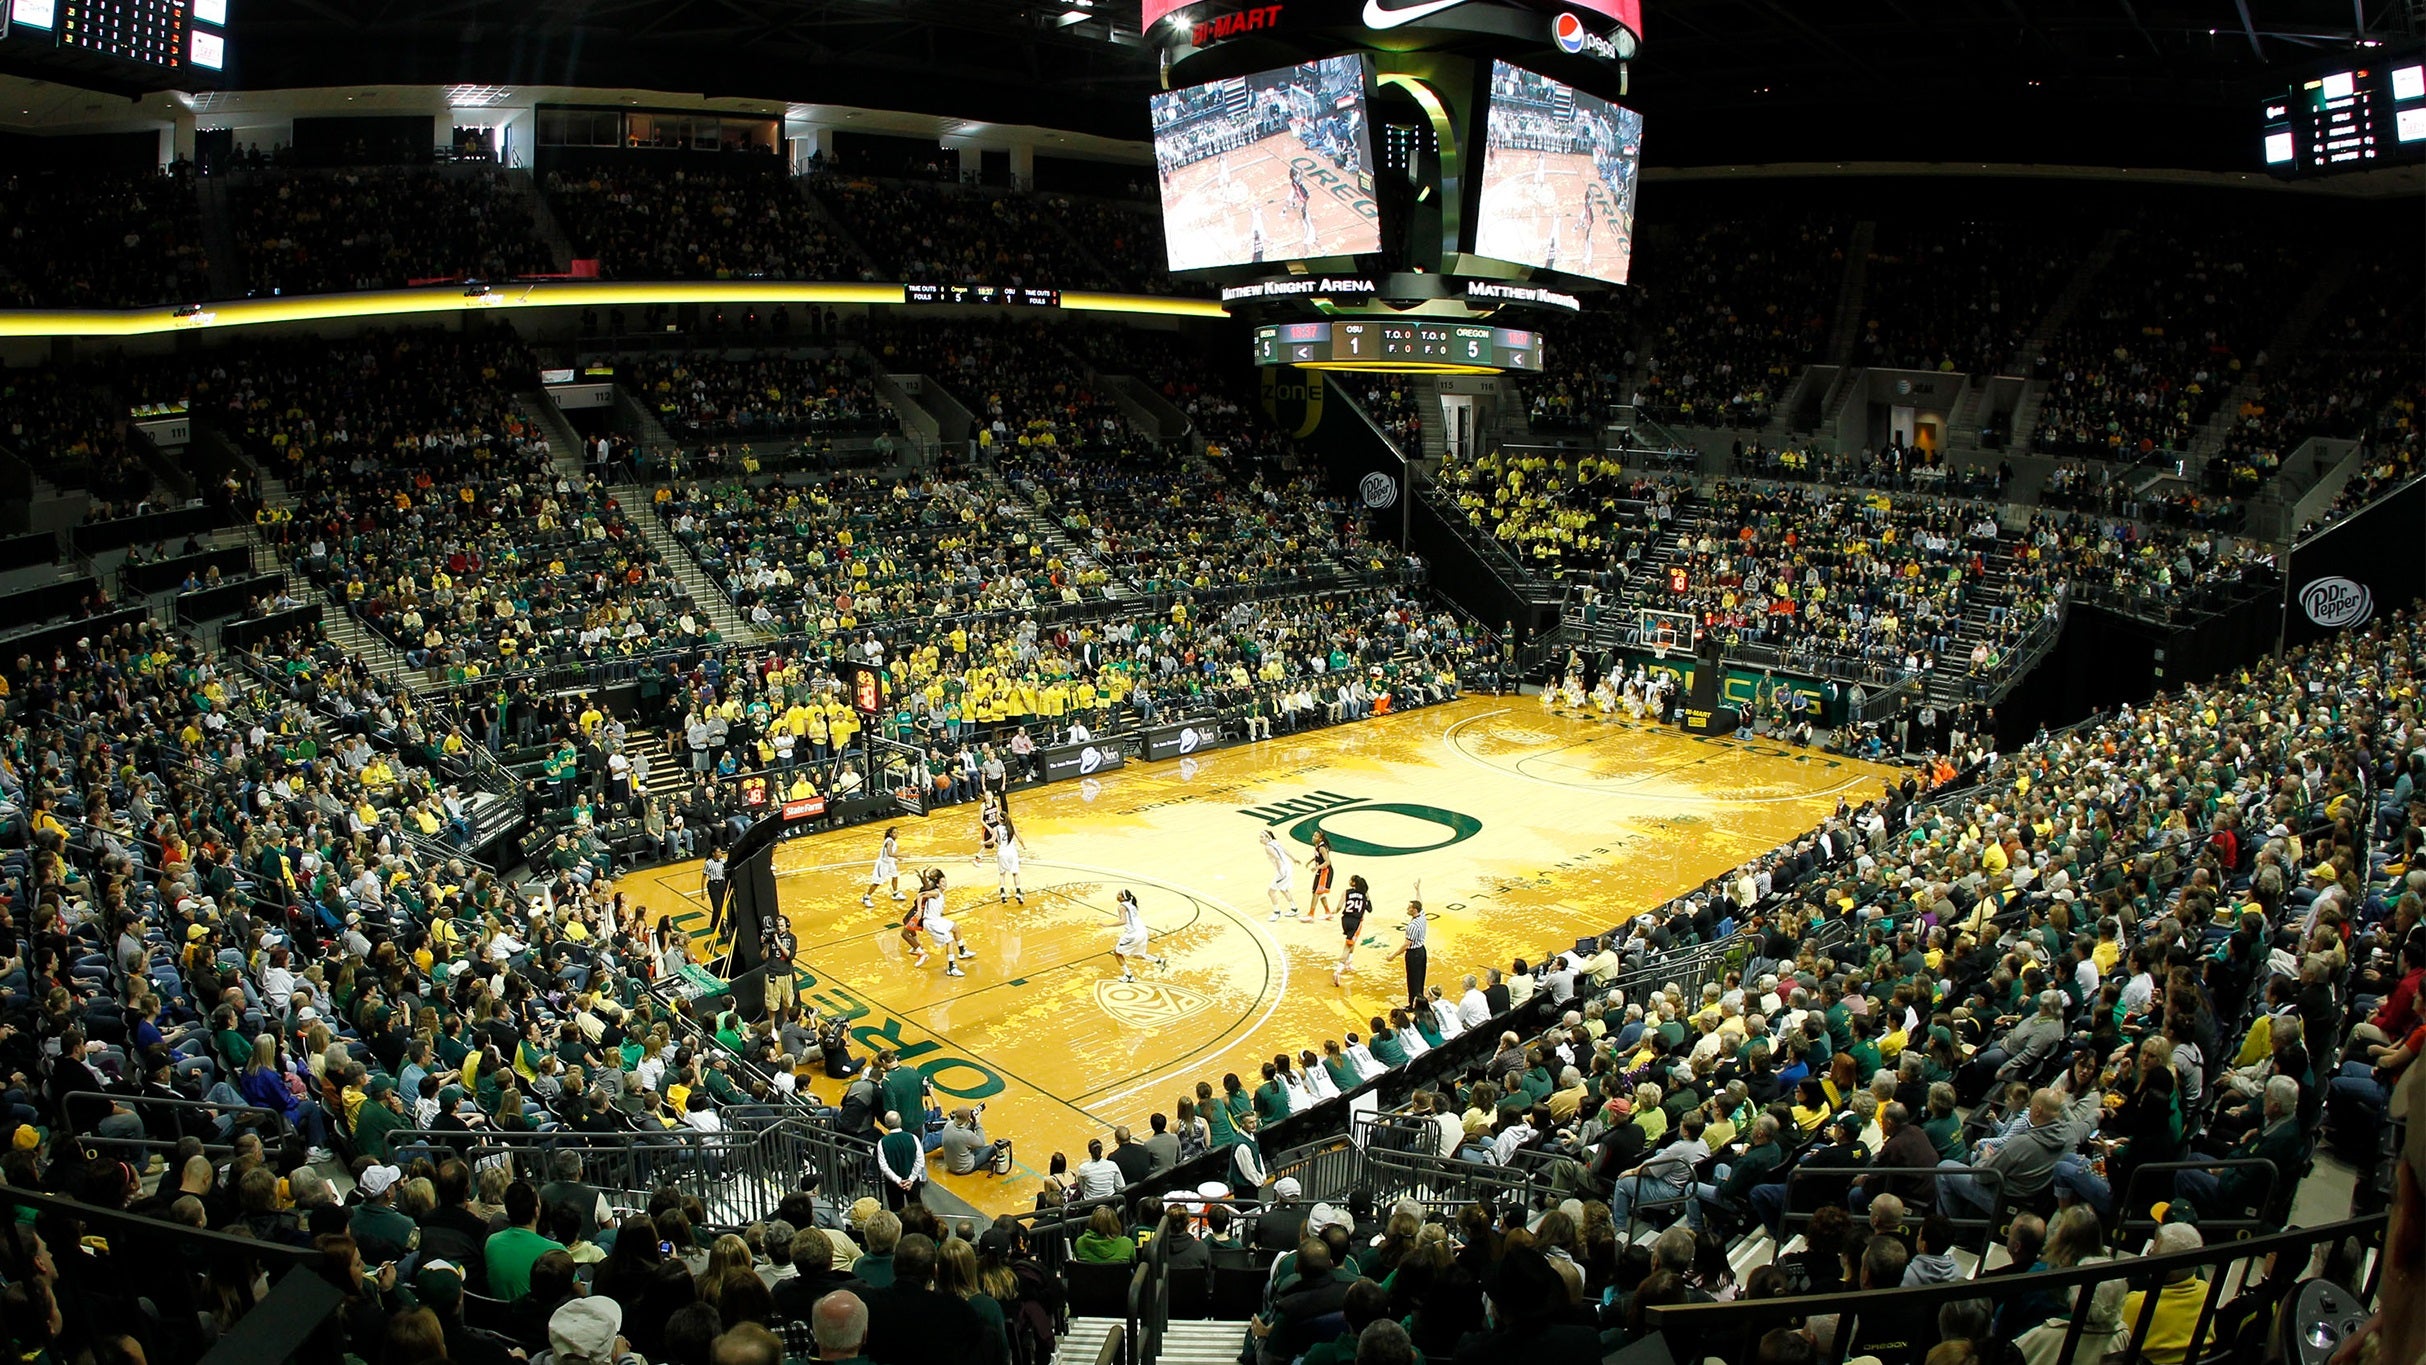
887	871
1133	935
1255	229
1284	869
939	927
1006	862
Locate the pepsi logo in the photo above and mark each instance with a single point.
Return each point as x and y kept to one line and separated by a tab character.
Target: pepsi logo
1573	38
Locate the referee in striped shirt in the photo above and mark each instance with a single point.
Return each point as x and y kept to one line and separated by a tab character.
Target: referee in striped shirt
1417	929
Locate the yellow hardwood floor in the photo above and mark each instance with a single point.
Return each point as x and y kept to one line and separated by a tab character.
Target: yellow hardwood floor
1525	827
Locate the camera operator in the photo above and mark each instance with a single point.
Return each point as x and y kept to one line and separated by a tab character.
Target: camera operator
964	1147
777	944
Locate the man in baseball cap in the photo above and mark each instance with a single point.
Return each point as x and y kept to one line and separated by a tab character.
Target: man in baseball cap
382	1231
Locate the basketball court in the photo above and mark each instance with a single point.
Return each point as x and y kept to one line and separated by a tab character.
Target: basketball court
1525	826
1210	217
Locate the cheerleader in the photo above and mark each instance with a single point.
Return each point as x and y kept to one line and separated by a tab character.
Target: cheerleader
1353	903
916	921
887	871
1006	862
1320	868
1604	695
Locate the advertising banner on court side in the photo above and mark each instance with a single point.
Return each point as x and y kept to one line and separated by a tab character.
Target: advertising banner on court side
1081	760
1173	741
2347	575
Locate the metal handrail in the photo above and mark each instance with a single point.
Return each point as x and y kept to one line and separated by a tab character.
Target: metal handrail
1732	1330
1988	1176
269	1119
2209	1220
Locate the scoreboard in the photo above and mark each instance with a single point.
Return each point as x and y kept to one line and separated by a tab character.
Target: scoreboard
2352	119
1414	344
171	38
145	32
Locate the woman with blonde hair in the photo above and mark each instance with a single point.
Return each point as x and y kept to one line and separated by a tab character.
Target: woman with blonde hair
956	1274
730	1252
2041	1322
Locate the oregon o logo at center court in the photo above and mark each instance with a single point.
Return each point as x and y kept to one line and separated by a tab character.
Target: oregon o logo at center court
1458	825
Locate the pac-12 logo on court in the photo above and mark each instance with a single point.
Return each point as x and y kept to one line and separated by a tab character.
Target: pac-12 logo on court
1378	490
1147	1004
2337	603
1314	808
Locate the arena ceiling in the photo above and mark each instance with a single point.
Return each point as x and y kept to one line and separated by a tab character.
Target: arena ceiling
2095	82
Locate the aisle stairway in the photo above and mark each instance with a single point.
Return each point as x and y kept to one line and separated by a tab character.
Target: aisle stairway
1183	1343
2293	330
525	186
1044	530
1847	328
2066	303
339	624
219	247
641	514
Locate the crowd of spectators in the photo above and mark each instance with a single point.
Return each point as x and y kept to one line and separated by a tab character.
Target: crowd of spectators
712	395
1165	525
977	699
651	224
931	234
2184	934
1126	239
425	506
1819	574
305	232
1012	376
1580	519
2184	308
69	423
100	240
1960	296
2361	355
1584	369
1735	314
833	555
1391	403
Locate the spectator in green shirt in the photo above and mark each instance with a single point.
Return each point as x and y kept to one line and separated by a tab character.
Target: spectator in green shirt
381	1115
509	1254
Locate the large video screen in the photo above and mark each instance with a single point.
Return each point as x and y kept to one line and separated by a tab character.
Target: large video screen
1277	166
1559	171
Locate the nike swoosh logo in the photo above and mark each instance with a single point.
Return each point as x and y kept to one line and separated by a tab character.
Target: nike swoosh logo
1379	15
